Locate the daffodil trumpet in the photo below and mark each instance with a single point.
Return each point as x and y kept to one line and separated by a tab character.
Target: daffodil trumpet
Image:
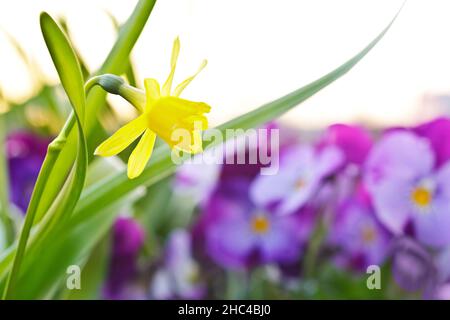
177	121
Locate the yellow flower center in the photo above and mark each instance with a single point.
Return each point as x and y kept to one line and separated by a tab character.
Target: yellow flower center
368	234
421	196
260	224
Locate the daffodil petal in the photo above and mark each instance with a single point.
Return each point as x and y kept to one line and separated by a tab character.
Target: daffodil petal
167	86
152	92
141	154
196	121
179	89
122	138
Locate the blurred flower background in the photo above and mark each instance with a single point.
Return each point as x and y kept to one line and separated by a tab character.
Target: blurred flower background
364	175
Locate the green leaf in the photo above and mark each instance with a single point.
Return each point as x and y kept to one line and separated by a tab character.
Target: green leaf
49	256
69	72
94	273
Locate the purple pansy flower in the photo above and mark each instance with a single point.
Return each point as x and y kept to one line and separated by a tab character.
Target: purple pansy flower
128	238
301	173
26	152
410	192
356	233
238	234
179	275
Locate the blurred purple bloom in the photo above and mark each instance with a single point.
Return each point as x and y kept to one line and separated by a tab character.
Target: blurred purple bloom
128	239
354	141
196	180
442	292
443	264
360	239
26	152
198	176
355	144
409	194
238	234
301	173
438	134
179	275
412	266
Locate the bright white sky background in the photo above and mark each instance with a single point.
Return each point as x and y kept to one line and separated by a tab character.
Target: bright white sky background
259	50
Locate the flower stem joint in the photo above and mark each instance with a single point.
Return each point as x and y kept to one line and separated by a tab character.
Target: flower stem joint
177	121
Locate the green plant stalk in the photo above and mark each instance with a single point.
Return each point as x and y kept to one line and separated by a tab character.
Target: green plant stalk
315	243
4	186
29	219
63	206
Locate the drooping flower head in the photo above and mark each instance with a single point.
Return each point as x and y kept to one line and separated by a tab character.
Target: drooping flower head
177	121
179	275
25	152
410	193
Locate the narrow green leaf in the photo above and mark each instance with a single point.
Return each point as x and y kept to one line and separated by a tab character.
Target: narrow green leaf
66	63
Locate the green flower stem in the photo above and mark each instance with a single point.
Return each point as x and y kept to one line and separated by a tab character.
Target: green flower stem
8	224
54	149
314	246
116	85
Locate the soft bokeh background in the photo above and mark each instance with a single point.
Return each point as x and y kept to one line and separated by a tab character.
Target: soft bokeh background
222	231
259	50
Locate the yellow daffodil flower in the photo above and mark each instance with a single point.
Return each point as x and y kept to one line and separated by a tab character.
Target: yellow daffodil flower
162	114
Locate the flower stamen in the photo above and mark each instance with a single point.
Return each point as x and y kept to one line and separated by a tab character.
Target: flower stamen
421	196
260	224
